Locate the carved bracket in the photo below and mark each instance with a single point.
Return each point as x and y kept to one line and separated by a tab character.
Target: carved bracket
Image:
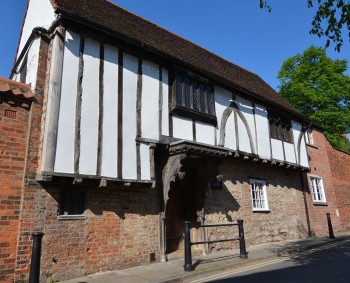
171	171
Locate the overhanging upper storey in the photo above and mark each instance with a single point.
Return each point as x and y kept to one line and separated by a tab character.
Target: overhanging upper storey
116	90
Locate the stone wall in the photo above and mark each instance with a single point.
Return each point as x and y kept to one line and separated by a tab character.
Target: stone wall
285	219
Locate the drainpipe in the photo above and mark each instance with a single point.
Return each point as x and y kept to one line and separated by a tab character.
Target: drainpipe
305	203
35	32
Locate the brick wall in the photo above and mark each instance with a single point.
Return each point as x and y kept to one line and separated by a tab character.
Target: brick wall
320	166
339	163
332	165
121	229
13	143
286	219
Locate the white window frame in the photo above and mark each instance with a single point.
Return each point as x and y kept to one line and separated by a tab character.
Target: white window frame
317	189
259	195
308	137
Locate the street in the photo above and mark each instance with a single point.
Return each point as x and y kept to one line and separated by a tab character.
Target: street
330	263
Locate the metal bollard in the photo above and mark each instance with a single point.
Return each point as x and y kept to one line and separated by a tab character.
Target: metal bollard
242	249
34	274
330	228
188	253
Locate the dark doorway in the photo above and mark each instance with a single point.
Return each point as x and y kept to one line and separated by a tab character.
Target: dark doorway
185	203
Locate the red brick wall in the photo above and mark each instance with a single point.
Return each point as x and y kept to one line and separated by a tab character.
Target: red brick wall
31	213
340	162
121	230
333	166
13	143
320	166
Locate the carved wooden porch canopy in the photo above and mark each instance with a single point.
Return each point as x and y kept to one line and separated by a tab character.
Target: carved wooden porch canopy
178	151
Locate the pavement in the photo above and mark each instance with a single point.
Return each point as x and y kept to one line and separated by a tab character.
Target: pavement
172	271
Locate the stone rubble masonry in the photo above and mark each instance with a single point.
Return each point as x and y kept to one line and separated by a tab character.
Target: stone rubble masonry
234	202
332	166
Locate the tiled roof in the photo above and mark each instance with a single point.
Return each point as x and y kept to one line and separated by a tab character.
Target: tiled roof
16	89
115	19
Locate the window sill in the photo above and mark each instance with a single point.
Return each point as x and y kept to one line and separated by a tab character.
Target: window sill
320	203
72	217
193	114
262	210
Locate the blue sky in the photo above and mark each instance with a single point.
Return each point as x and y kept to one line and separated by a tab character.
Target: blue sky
236	30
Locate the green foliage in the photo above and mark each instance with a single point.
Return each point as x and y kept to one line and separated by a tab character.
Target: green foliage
317	86
332	16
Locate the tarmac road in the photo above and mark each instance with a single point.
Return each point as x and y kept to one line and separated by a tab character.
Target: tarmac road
326	264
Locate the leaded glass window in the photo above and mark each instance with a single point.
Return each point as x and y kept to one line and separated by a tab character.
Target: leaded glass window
195	95
280	128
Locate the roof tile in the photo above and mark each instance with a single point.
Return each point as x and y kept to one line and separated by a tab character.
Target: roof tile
16	89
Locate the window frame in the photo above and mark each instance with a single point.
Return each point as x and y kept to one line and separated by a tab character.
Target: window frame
193	98
308	137
66	207
263	182
316	194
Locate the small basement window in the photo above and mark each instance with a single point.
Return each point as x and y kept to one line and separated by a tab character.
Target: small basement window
194	98
259	195
72	203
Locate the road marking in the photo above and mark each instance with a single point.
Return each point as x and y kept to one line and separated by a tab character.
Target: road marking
240	270
243	269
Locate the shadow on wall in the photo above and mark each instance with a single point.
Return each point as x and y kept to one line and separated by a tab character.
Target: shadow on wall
100	201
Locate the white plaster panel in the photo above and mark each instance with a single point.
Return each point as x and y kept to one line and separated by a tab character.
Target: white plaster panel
296	132
64	161
262	132
33	62
130	68
289	152
230	134
223	99
165	106
277	149
40	14
89	108
297	127
150	101
303	153
246	108
109	166
205	133
182	128
145	162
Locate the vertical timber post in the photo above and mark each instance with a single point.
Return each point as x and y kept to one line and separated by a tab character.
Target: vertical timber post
34	274
330	228
188	253
242	249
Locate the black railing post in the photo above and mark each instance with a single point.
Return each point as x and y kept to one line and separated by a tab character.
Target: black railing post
330	228
188	253
34	274
242	250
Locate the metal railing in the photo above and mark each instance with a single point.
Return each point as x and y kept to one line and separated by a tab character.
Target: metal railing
188	266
